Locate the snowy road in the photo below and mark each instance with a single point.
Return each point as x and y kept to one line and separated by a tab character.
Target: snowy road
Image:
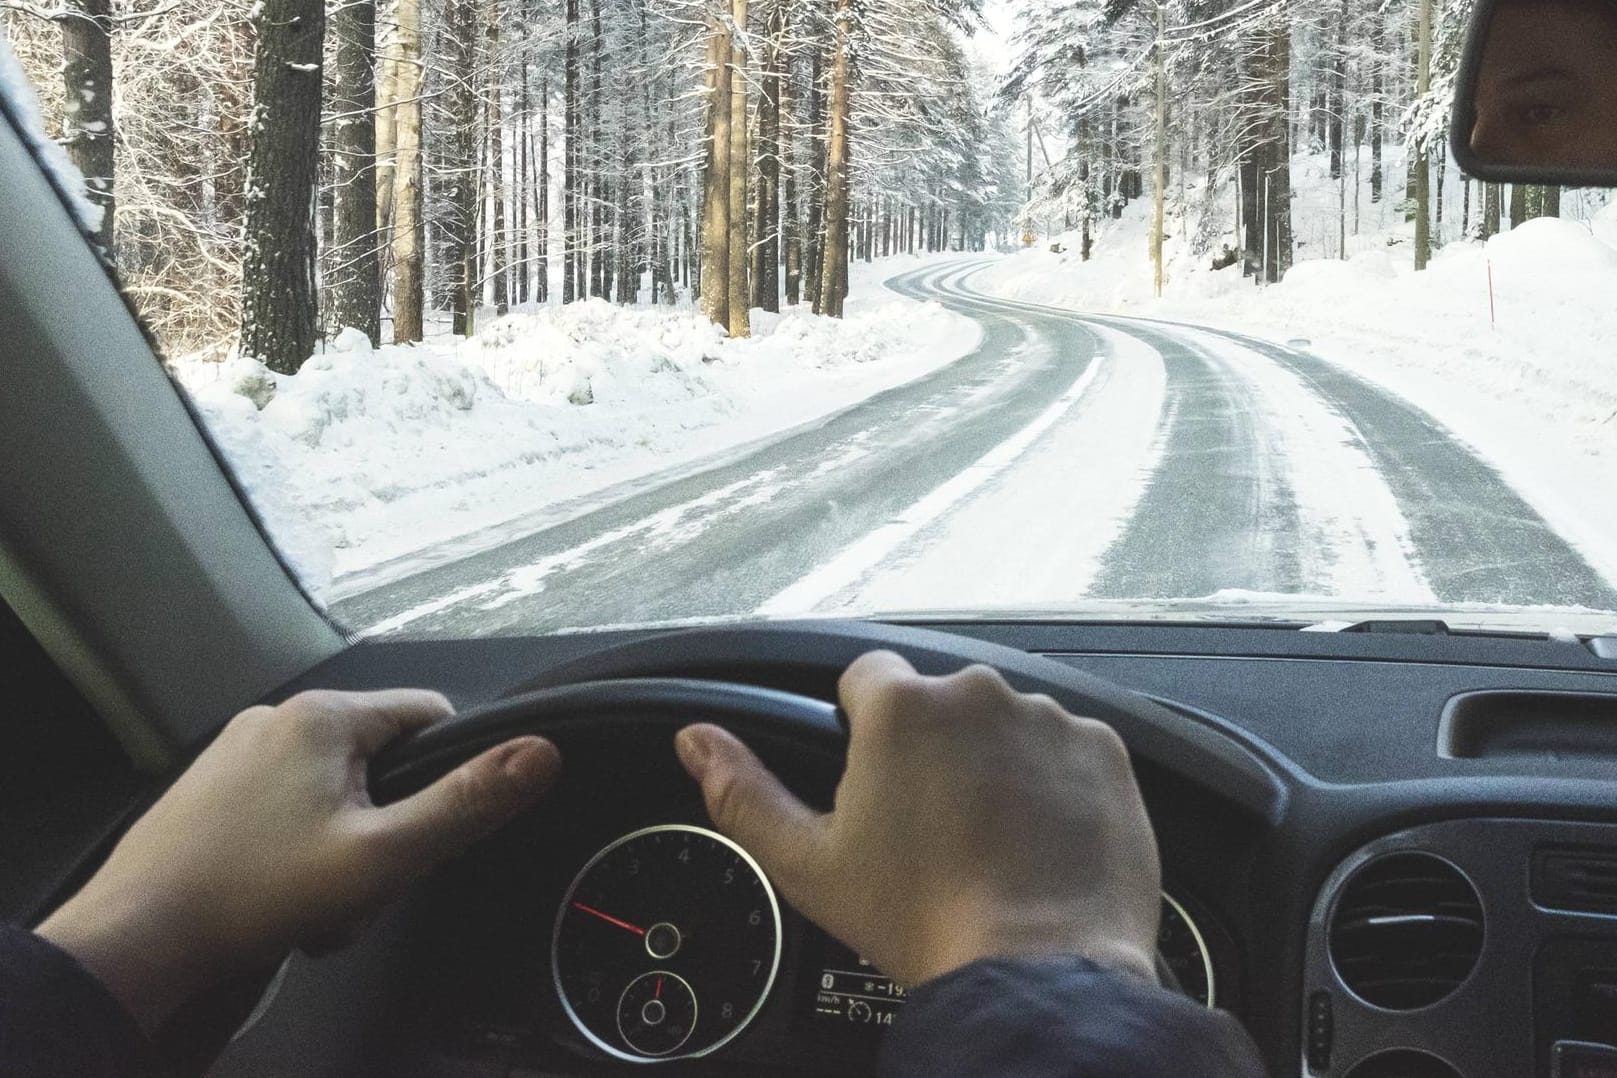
1068	458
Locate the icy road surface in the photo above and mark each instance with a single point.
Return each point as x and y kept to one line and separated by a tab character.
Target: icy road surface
1069	457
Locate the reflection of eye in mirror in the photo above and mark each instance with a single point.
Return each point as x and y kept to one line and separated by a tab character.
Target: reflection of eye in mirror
1544	94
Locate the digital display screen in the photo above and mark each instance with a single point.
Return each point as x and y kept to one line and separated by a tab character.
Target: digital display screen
847	994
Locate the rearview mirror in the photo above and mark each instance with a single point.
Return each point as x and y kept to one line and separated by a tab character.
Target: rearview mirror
1536	100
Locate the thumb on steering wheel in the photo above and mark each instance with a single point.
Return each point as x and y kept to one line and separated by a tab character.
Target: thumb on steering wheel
748	803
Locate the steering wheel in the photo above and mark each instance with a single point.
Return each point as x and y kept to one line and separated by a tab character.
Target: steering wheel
770	685
617	703
594	712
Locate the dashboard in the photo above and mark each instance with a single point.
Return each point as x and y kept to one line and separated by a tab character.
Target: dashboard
1389	856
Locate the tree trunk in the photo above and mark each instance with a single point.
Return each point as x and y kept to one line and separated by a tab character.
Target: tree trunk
1266	164
740	321
626	280
599	194
542	240
87	107
1378	44
573	126
524	175
1336	120
791	235
387	96
1422	170
499	239
834	271
408	276
1491	193
715	273
356	291
1159	151
1518	205
1438	177
766	267
816	193
279	312
463	186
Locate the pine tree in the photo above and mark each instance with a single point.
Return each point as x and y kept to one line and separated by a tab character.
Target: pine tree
279	309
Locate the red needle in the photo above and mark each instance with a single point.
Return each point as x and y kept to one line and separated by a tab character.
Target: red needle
609	919
659	993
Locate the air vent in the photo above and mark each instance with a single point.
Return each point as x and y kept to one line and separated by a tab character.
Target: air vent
1576	879
1406	931
1403	1063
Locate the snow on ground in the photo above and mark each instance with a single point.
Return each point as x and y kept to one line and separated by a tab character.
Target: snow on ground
1531	387
371	463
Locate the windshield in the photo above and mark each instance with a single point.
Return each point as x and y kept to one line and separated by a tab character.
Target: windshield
522	317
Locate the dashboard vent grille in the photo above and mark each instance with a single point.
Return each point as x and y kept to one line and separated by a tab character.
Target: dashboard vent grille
1403	1063
1573	879
1406	931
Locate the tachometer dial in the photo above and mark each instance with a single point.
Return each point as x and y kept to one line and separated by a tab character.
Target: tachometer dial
666	944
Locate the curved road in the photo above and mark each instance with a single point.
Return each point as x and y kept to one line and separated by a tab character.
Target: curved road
1219	493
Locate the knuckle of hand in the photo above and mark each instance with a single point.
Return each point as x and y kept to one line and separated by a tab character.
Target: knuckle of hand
980	688
250	721
312	700
1105	745
904	694
1045	704
312	710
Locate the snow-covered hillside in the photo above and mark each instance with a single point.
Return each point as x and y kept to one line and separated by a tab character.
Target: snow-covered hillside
368	456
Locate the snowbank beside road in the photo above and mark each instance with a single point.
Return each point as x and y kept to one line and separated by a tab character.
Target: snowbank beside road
369	456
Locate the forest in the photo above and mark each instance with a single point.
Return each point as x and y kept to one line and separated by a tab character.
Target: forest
271	173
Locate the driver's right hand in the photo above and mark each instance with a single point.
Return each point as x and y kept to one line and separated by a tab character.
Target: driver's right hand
972	821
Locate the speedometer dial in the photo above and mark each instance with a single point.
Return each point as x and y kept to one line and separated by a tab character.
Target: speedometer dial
666	944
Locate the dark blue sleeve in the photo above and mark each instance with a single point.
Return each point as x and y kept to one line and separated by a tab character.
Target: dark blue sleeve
1044	1017
58	1021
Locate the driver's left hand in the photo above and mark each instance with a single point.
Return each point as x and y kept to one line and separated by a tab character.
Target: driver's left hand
270	841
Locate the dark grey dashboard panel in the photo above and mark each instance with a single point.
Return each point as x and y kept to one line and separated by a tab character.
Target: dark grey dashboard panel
1352	720
1495	1022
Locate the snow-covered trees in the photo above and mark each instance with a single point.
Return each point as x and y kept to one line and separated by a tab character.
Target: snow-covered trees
1250	85
731	154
